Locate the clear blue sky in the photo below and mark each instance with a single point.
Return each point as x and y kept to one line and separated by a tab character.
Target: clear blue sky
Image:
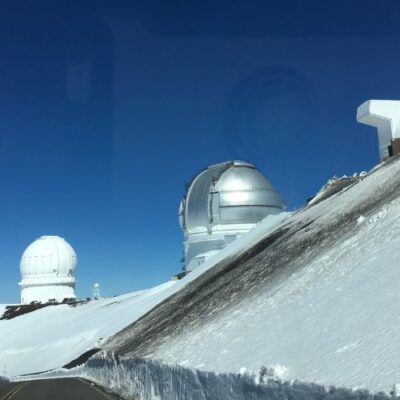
108	110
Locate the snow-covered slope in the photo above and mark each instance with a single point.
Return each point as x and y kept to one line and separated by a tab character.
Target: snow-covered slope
335	320
315	291
320	296
53	336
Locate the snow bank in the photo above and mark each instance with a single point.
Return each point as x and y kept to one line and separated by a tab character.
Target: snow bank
151	380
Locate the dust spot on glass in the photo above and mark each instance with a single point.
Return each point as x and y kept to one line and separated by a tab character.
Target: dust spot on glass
268	112
79	81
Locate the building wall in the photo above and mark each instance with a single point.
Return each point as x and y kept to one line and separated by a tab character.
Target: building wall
46	293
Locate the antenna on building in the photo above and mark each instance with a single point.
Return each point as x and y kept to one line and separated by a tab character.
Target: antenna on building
96	291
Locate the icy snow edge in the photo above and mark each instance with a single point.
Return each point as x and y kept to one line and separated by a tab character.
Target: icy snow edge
150	379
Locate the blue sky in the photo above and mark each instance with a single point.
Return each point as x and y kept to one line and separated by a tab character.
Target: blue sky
108	110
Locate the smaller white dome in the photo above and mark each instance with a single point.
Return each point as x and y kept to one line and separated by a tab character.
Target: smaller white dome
48	256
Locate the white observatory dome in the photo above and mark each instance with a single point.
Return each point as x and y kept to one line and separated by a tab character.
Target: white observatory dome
48	255
47	269
222	203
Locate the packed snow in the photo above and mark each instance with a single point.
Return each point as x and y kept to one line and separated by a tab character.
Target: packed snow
53	336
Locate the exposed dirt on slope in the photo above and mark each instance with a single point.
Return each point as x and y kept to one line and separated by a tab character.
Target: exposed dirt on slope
16	311
21	309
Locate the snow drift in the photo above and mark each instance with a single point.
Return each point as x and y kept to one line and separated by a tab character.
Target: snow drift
149	380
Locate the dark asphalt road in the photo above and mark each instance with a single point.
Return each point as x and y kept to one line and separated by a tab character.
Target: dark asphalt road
54	389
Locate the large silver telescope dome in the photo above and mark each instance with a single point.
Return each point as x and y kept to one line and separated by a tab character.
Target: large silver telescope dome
233	192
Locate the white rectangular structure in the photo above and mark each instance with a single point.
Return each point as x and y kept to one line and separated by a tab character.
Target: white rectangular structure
385	116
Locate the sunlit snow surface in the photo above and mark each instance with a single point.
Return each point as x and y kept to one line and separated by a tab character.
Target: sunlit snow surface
53	336
332	319
335	321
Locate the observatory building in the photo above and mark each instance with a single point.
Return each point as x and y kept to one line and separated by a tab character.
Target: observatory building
222	203
385	116
47	270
